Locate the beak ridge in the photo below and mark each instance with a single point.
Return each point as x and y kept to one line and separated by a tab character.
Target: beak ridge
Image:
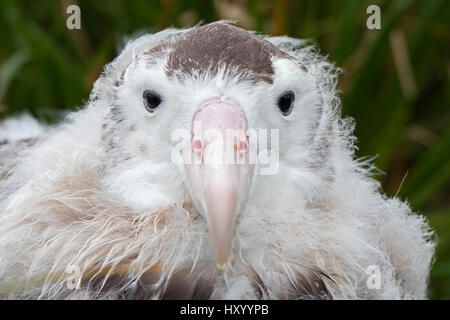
219	189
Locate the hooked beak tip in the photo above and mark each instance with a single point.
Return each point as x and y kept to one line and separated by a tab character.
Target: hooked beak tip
221	265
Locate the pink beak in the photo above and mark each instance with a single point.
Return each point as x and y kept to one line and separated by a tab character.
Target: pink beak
220	175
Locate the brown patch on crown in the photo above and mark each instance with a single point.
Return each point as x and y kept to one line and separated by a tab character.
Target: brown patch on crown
157	52
209	47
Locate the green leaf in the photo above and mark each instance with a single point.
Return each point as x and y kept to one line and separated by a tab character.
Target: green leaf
10	68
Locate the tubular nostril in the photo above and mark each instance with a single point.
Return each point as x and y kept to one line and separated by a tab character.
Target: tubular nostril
197	149
197	145
243	146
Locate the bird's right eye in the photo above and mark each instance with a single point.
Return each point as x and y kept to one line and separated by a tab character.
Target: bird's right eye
286	102
151	100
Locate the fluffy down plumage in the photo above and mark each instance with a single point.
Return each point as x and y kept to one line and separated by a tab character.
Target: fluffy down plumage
96	193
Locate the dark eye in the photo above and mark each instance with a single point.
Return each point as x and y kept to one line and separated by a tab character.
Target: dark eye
151	100
286	102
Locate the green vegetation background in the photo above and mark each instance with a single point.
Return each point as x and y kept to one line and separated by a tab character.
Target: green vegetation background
395	81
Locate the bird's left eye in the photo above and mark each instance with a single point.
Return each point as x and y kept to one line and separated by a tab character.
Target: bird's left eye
151	100
286	102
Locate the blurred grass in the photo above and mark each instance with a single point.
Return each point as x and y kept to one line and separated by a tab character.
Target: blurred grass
395	84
